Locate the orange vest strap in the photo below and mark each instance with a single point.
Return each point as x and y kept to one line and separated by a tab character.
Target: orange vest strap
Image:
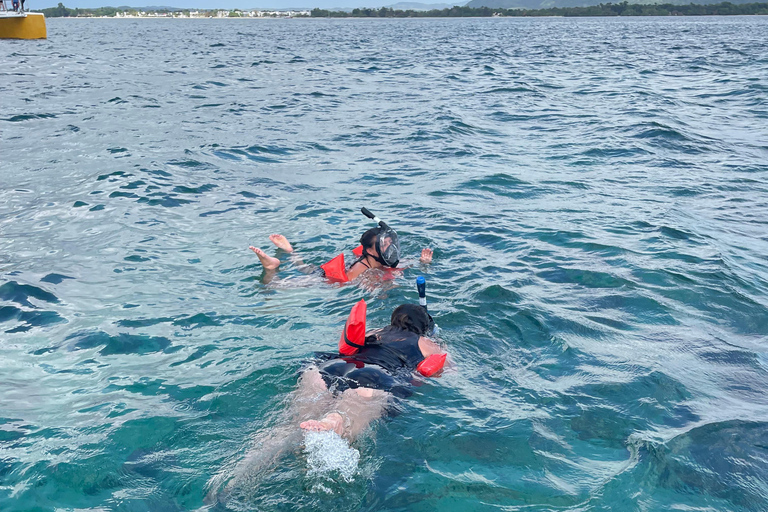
353	336
335	270
432	364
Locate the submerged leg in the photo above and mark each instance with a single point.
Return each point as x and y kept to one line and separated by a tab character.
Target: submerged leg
311	399
355	411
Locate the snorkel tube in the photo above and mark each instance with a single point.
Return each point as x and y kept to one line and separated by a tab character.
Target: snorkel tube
386	243
374	218
432	364
421	286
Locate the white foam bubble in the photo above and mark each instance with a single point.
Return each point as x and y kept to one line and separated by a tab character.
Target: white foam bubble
327	453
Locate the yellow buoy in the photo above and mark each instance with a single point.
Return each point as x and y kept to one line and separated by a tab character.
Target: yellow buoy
29	25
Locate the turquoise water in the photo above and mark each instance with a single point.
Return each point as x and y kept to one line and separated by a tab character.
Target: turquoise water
596	192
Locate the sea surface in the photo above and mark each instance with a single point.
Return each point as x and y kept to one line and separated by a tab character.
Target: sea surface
595	190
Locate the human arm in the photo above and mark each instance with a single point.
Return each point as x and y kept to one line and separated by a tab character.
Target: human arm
429	347
434	358
426	255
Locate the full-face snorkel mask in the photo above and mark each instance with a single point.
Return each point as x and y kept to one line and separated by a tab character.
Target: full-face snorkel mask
386	242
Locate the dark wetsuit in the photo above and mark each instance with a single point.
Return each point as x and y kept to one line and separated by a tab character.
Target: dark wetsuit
386	362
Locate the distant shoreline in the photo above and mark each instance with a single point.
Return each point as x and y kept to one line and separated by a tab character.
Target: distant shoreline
419	17
623	9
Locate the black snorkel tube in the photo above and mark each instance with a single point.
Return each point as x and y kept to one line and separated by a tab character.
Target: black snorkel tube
390	255
371	216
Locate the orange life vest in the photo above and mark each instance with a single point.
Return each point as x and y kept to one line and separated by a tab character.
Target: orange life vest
336	270
353	336
432	364
353	339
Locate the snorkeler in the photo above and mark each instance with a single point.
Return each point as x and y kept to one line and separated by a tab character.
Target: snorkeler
379	248
373	368
343	392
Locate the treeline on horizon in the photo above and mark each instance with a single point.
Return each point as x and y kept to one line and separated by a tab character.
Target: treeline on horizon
608	9
62	12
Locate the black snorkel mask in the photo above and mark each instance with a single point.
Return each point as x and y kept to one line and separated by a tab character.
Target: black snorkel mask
386	243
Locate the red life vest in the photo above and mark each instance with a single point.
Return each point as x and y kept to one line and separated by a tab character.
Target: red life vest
353	339
353	336
336	270
432	364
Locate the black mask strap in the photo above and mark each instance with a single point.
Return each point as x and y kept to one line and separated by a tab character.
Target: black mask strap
376	258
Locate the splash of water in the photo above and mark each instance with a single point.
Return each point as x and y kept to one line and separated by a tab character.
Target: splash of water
327	453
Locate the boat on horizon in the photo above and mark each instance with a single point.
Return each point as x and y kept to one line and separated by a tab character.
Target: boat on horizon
19	24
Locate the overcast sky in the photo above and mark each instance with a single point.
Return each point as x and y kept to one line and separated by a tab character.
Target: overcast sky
227	4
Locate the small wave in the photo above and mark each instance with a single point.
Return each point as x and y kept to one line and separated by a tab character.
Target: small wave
128	195
122	343
198	320
133	185
28	319
218	212
508	89
654	130
614	152
55	278
21	293
585	278
165	200
194	190
27	117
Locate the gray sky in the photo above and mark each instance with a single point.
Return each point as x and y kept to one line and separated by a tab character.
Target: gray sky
229	4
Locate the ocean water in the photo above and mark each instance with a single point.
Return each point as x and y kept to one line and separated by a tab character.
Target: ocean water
595	190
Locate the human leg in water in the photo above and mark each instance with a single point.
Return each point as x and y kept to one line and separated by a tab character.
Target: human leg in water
240	477
352	413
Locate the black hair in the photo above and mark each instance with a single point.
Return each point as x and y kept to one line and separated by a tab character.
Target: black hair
413	318
369	237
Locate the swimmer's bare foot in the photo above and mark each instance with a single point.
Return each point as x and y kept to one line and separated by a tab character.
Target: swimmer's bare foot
268	262
426	256
281	242
333	421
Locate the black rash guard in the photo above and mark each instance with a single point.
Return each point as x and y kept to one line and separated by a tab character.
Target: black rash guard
386	362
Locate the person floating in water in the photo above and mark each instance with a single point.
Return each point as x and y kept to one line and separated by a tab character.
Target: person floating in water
371	369
342	392
379	249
